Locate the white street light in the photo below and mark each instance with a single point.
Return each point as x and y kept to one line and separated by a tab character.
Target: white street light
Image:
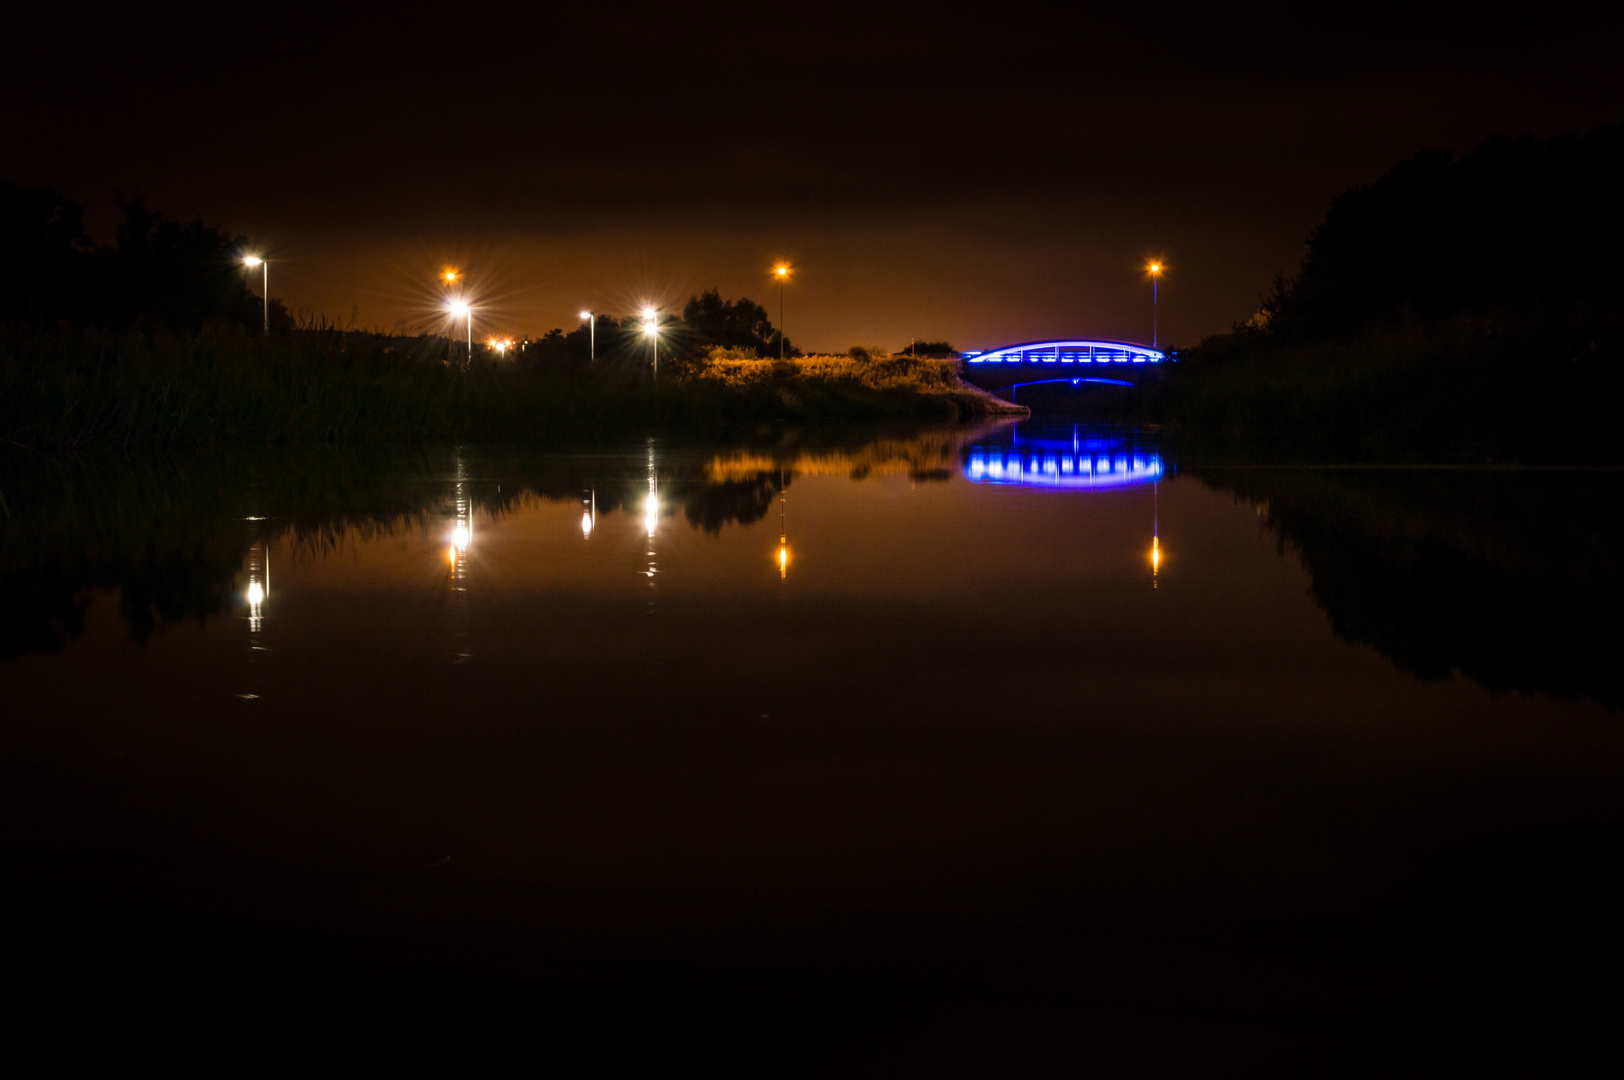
651	327
460	310
252	261
592	332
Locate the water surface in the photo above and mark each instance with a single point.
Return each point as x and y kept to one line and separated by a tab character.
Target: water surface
1018	714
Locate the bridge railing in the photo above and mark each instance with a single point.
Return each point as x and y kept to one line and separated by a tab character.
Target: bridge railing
1068	352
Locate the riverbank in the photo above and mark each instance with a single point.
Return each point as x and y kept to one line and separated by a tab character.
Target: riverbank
87	389
1470	387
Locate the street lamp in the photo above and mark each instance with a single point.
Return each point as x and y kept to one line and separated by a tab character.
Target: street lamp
651	327
252	261
592	333
1155	269
781	272
460	310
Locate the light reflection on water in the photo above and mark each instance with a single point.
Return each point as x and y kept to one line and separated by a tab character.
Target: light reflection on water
1051	456
857	509
1179	702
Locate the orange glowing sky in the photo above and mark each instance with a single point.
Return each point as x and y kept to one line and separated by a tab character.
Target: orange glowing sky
983	182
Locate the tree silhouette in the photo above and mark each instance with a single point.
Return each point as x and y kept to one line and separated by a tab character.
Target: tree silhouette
48	255
1530	226
708	321
158	273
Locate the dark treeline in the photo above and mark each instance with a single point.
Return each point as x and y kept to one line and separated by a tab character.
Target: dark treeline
1501	575
161	275
157	274
707	322
1470	303
1525	228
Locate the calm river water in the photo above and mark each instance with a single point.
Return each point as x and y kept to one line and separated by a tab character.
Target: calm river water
939	743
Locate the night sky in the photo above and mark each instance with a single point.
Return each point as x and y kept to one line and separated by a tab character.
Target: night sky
986	176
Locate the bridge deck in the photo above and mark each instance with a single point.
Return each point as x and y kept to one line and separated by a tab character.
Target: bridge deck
1118	363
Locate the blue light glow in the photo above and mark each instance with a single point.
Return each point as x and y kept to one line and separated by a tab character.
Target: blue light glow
1061	459
1069	352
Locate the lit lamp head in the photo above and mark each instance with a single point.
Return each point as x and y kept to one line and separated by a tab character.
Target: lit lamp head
586	314
458	308
1155	268
449	277
252	260
651	322
781	272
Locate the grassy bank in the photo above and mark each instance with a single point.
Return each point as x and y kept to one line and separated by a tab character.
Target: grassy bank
82	389
1468	386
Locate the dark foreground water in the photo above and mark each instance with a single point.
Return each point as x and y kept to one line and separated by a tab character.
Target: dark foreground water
939	749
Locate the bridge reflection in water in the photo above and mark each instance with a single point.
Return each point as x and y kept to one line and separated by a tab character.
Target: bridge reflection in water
1063	458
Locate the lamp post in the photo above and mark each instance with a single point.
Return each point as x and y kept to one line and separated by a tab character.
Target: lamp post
592	333
461	309
252	261
1155	269
781	272
651	327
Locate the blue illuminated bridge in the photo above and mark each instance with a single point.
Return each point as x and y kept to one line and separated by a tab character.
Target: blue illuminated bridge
1078	362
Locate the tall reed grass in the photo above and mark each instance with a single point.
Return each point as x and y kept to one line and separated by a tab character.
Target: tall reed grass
1462	386
86	388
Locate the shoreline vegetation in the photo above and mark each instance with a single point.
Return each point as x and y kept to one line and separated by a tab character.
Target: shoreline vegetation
1456	307
82	389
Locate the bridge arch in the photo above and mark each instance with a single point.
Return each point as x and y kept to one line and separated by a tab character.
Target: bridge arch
1069	351
1072	360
